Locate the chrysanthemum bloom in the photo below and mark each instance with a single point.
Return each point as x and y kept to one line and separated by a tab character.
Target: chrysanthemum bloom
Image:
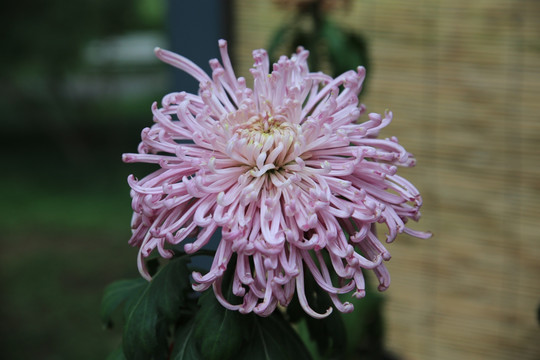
287	173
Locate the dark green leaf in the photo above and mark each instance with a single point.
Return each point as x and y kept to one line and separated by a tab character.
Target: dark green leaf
118	293
157	306
185	344
311	41
365	325
141	330
359	53
346	50
277	40
220	332
274	339
117	354
303	332
328	333
152	263
336	43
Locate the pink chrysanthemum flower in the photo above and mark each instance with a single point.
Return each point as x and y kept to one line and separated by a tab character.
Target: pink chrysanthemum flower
285	170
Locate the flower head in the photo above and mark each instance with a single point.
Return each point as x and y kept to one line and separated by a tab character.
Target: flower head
284	169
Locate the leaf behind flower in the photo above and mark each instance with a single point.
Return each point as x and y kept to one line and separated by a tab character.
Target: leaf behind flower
118	293
159	305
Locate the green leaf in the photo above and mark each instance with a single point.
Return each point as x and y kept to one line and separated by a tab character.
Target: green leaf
117	354
118	293
219	331
159	305
365	325
336	43
278	39
358	48
311	41
223	334
346	50
274	339
185	344
328	333
303	332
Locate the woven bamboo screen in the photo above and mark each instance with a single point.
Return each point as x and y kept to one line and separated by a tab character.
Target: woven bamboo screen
463	80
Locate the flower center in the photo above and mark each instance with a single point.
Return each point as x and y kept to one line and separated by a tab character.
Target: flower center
263	128
265	141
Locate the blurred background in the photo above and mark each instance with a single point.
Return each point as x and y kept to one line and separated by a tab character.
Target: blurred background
463	81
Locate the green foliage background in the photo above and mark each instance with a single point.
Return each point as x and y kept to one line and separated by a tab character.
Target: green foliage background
65	205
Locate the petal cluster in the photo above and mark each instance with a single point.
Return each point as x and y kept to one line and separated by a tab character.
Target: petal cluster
285	170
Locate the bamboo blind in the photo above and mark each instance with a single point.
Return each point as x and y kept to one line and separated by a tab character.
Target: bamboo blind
463	80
